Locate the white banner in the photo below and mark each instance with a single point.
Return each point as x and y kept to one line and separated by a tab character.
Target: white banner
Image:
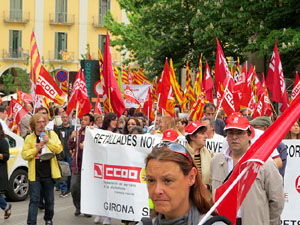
140	93
113	174
290	214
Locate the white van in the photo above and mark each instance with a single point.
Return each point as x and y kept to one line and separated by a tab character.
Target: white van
17	169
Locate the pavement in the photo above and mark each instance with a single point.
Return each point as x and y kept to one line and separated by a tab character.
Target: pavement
63	213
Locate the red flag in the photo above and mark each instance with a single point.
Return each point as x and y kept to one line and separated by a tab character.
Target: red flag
254	157
97	108
47	87
112	94
129	96
230	99
275	81
90	57
147	108
17	110
24	97
246	89
164	89
263	106
296	89
208	84
79	95
221	69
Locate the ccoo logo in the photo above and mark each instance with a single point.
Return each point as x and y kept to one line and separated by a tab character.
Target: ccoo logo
297	184
98	168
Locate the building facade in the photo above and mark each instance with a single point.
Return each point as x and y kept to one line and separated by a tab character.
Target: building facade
64	30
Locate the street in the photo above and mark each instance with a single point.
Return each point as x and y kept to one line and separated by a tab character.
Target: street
63	213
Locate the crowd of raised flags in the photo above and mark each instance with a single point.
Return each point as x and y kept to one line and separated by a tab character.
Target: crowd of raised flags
235	89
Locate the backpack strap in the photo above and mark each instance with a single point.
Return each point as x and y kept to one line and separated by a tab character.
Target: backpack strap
214	219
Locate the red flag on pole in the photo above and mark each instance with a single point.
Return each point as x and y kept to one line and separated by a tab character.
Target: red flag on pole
97	108
129	96
208	84
248	166
17	110
296	89
275	81
112	94
79	95
147	108
230	99
24	97
47	87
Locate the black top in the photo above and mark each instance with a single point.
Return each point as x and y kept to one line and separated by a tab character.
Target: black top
42	168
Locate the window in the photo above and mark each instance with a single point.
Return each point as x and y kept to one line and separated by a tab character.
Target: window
101	43
15	12
15	43
60	44
104	5
61	11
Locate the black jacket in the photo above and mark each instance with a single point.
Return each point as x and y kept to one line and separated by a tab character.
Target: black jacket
4	149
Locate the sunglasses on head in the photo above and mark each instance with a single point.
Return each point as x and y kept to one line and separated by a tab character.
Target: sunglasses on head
175	147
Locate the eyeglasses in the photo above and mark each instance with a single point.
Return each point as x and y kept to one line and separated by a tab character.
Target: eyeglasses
238	133
175	147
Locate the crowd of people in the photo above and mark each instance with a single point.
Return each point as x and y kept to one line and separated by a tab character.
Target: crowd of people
181	180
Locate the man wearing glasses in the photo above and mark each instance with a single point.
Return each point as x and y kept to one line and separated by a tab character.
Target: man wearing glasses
264	201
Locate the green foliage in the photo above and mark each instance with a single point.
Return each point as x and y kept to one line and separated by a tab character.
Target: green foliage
8	81
86	55
22	80
182	30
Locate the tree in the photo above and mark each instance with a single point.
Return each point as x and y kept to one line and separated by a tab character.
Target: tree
182	30
8	81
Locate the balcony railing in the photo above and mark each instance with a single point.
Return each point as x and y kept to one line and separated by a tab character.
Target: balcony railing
62	19
62	56
16	16
20	55
98	21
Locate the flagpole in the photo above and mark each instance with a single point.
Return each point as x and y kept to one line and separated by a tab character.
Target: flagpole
156	110
217	203
77	106
222	99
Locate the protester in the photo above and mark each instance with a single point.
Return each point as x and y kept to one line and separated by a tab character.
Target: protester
24	122
212	136
98	120
264	202
41	173
137	130
129	124
181	123
170	135
75	143
64	131
294	132
4	156
195	134
3	115
210	111
262	123
57	118
110	122
44	111
175	186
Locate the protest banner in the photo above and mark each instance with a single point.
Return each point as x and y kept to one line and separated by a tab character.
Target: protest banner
140	92
113	174
290	214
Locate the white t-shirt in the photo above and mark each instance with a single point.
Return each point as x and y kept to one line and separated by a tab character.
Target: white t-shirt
4	125
215	144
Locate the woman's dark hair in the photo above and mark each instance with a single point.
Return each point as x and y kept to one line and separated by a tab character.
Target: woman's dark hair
107	119
2	135
132	112
199	195
199	130
125	130
138	129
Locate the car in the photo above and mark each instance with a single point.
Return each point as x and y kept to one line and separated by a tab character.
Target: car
17	168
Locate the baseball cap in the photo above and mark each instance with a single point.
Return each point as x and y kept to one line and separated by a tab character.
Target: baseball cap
170	135
193	127
237	121
261	121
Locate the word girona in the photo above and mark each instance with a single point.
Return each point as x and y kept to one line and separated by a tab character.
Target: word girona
114	172
48	88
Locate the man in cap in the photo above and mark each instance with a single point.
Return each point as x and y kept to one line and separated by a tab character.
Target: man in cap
195	134
264	202
170	135
262	123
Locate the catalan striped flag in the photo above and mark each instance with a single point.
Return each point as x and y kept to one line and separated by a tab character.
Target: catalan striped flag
176	87
64	87
124	75
100	65
154	88
189	94
197	110
198	82
139	77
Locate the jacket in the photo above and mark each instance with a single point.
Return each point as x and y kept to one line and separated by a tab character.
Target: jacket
29	152
265	200
4	150
75	145
203	165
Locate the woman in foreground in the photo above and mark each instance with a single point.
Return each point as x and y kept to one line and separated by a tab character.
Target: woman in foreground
175	187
